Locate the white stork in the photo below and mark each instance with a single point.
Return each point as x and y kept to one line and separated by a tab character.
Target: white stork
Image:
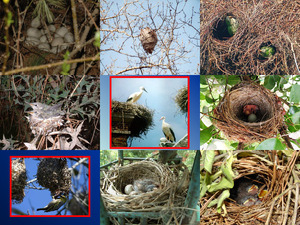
168	132
136	95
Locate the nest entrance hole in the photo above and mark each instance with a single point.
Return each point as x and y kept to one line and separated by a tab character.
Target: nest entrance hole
266	44
220	30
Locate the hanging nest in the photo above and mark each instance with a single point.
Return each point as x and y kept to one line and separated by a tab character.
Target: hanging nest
260	23
148	39
182	100
173	184
131	117
280	203
231	120
53	173
18	180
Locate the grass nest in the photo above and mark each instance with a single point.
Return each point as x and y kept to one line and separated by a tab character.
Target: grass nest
142	117
171	193
182	99
260	24
280	176
230	119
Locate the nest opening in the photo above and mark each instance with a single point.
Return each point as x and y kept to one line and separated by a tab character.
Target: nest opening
220	31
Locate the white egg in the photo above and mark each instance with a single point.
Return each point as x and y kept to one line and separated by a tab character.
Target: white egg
33	32
52	28
57	41
35	23
43	39
128	189
32	41
69	38
44	47
54	50
62	31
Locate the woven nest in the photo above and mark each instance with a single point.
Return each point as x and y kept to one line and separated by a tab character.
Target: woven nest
277	206
53	173
229	117
142	121
171	193
18	180
182	100
261	23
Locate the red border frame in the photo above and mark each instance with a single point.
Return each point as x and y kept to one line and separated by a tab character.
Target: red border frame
10	208
170	77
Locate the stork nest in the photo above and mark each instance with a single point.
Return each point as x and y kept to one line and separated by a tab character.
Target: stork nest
230	119
261	23
171	193
281	179
142	121
182	99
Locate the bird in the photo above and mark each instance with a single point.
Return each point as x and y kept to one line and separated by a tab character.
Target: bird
267	51
136	95
167	130
232	25
250	109
55	204
144	185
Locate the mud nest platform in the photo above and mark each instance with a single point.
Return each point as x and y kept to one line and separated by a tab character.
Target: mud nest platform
182	99
260	23
279	178
231	120
173	183
135	118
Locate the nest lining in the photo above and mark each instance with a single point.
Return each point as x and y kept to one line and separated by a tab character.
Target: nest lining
233	123
261	23
143	117
276	181
172	190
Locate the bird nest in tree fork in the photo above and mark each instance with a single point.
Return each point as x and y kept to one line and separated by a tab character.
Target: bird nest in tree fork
229	114
182	99
280	179
273	24
172	181
131	117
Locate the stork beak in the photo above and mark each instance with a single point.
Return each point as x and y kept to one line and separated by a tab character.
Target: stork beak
145	90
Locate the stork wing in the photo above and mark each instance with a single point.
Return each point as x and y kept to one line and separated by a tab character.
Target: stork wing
172	132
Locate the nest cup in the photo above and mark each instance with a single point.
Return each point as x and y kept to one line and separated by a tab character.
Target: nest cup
170	181
231	120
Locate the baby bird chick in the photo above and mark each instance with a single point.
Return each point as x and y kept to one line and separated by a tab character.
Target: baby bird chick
250	109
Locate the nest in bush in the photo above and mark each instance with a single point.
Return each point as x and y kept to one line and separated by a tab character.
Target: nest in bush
53	173
173	184
280	203
133	117
261	23
231	120
182	100
18	180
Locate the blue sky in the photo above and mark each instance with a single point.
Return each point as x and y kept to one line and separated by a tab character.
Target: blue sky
39	198
124	49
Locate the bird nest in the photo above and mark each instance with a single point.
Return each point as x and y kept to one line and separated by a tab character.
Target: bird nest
280	179
182	99
261	23
141	122
230	119
173	183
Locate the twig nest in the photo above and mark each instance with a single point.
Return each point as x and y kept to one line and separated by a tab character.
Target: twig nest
231	119
181	99
173	184
18	180
148	39
53	173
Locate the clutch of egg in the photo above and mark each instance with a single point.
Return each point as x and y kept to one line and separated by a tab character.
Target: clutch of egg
55	42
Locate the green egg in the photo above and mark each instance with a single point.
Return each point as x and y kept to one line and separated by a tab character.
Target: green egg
252	118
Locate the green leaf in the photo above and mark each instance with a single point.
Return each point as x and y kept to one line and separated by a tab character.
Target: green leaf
202	96
269	82
203	80
209	160
295	93
296	118
208	99
205	135
271	144
202	125
225	194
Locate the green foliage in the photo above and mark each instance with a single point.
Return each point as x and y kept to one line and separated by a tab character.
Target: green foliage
271	144
42	9
97	39
65	66
295	93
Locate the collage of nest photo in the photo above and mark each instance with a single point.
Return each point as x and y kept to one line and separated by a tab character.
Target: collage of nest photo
250	112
